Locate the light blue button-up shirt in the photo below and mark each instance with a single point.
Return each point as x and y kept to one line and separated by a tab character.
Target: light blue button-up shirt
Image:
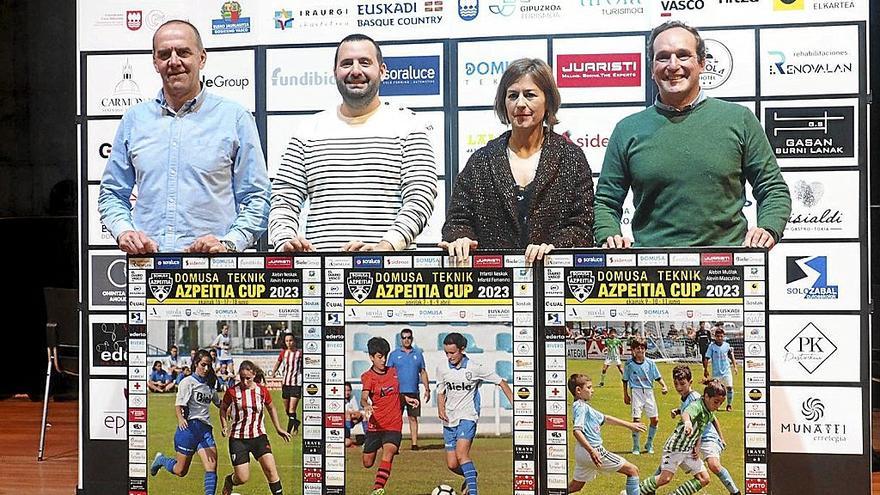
199	171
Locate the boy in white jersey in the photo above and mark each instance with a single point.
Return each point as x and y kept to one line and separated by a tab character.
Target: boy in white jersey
639	375
682	447
712	440
589	454
458	404
721	355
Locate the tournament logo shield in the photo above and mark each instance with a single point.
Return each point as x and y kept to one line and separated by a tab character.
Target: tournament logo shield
160	285
581	284
360	284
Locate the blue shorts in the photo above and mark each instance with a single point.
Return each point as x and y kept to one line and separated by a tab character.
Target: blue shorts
199	435
466	430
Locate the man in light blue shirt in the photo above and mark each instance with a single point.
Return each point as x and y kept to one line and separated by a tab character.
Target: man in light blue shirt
410	364
195	158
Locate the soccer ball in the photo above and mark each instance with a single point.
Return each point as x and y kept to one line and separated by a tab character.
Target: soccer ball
443	490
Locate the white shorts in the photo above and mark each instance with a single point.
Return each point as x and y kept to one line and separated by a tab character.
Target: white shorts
710	449
584	468
671	461
609	360
726	379
643	400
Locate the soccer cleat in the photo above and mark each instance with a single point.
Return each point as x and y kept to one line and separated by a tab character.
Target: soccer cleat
379	491
227	485
729	408
296	424
601	384
156	465
414	446
464	488
636	452
650	449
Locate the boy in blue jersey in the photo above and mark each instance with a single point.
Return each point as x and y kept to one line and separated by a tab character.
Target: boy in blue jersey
712	440
639	374
589	454
721	355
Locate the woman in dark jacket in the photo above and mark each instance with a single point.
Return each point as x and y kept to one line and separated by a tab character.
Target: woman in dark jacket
530	188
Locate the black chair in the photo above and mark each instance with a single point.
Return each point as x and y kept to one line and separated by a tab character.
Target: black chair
62	344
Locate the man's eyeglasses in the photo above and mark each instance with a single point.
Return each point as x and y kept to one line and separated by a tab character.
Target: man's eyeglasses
408	337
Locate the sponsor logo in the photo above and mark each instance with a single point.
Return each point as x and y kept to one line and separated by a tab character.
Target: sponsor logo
303	79
756	394
413	75
716	259
109	340
528	9
468	10
368	262
788	4
808	277
482	261
555	422
599	70
279	263
811	132
810	348
780	65
615	7
756	485
719	65
812	428
126	93
397	14
168	263
589	260
134	19
359	285
581	284
484	72
756	455
231	21
221	81
283	19
524	482
809	195
667	6
505	8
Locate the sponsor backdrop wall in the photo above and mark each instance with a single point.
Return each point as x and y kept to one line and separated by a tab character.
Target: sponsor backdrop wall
801	65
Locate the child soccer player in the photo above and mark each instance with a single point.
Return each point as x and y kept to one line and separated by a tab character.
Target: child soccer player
680	450
458	404
711	441
639	375
612	354
381	402
589	454
721	355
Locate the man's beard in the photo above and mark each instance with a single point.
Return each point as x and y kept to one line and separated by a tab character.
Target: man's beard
358	98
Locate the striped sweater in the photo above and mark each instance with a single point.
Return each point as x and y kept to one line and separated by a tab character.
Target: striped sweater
369	178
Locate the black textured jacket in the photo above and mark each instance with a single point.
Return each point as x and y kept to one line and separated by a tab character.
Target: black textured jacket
483	206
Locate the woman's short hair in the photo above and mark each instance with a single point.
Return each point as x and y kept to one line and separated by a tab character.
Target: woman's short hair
542	75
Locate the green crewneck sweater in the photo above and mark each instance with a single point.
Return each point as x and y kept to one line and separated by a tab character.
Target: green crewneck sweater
687	172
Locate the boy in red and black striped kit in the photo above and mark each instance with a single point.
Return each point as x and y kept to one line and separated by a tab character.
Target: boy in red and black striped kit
383	406
291	385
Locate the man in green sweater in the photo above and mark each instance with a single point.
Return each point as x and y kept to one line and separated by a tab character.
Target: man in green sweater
687	159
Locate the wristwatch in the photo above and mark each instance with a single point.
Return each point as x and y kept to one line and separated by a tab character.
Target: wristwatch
229	245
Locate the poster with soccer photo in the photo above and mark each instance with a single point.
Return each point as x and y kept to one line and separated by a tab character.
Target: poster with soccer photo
440	374
642	345
216	372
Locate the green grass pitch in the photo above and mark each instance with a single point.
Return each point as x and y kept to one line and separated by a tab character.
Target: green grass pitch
161	425
609	401
418	472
